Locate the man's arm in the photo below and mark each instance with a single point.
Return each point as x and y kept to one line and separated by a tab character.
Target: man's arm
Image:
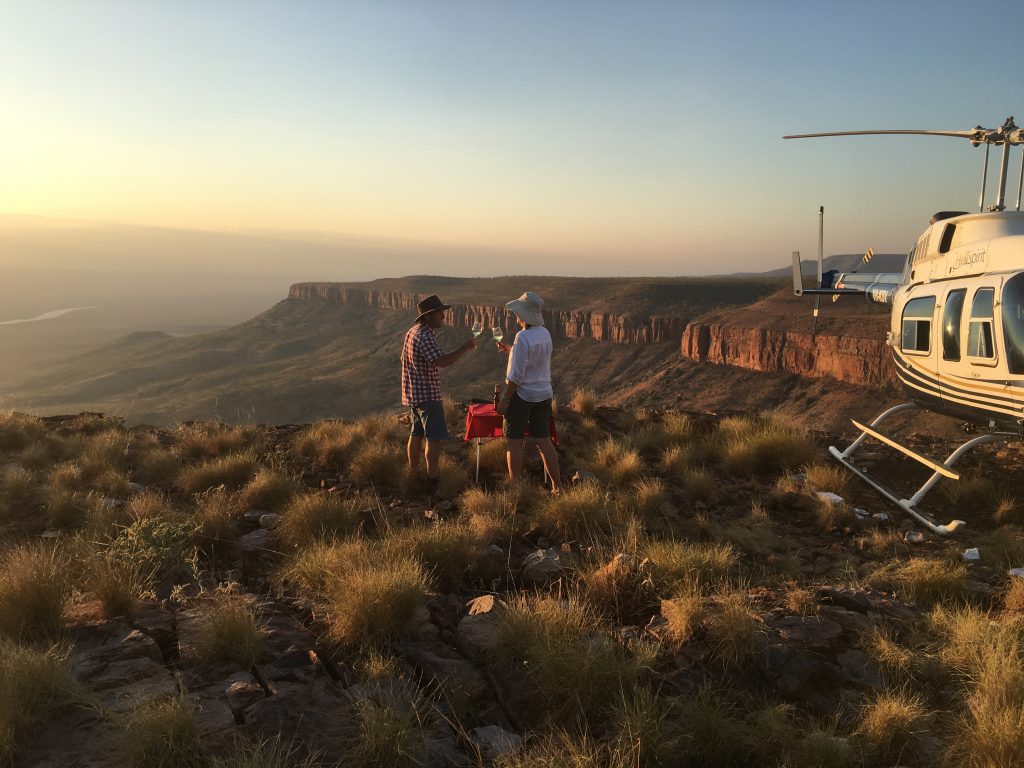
445	360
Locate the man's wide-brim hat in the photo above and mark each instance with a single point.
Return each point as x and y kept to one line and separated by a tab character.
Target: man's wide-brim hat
527	308
430	304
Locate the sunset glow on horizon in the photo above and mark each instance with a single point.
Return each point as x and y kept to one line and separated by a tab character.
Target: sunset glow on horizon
646	135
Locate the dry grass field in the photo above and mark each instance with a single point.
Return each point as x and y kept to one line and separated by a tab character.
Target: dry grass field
212	595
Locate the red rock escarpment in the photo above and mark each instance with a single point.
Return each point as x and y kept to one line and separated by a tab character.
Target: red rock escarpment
570	324
847	347
850	359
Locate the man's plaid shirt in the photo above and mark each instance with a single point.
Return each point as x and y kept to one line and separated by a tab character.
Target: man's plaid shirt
421	378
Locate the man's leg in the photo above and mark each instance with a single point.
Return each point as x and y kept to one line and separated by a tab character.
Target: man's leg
413	450
433	457
436	433
416	432
550	457
515	457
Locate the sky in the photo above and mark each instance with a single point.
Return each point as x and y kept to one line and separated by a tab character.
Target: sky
479	137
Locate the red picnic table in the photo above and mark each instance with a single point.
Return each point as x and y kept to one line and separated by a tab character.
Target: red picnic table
483	421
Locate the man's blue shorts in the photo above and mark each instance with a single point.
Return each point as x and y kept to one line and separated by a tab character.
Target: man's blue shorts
428	420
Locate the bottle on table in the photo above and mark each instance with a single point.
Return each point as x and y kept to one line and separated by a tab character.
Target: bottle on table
497	394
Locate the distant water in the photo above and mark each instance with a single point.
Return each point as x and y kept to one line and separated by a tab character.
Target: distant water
46	315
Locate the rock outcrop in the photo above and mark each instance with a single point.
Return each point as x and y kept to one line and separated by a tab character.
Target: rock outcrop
773	335
853	360
569	324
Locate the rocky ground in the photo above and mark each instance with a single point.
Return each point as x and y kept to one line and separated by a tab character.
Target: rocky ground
815	587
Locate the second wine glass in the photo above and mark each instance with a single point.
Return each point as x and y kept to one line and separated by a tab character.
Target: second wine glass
498	333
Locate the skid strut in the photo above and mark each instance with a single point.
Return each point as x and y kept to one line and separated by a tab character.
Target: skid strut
939	469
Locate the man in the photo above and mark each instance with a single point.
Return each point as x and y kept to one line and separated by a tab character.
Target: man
422	360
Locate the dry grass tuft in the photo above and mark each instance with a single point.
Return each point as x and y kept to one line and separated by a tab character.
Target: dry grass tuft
676	566
761	446
922	580
683	615
676	459
368	596
68	509
649	500
378	464
33	590
618	463
161	733
19	430
584	402
34	686
1013	599
830	478
20	492
446	550
575	668
389	727
232	471
320	516
735	630
890	723
329	444
118	583
492	515
580	511
229	628
206	441
268	490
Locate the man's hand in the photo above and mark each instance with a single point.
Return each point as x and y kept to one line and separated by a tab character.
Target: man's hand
502	347
502	406
471	344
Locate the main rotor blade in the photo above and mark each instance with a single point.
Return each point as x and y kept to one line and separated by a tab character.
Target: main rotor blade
976	135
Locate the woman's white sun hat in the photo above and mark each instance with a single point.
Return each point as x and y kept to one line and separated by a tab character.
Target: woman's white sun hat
527	308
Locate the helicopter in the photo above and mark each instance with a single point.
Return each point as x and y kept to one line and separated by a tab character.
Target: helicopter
957	320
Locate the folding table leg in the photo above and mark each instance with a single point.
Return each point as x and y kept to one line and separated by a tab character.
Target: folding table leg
478	461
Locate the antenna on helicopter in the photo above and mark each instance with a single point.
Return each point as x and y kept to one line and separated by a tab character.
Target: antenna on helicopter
821	256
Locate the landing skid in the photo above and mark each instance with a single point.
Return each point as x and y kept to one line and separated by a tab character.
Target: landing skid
944	469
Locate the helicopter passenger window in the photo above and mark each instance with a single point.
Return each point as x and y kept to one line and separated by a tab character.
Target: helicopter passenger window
917	325
979	331
951	314
1013	322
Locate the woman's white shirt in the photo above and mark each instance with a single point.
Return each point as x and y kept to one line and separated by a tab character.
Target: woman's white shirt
529	364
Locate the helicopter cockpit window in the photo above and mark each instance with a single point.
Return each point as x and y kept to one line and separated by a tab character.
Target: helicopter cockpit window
1013	322
979	331
917	325
951	314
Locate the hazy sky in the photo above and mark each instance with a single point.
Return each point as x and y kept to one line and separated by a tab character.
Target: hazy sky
579	137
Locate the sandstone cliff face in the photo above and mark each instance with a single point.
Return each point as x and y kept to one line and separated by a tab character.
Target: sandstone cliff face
854	360
861	358
569	324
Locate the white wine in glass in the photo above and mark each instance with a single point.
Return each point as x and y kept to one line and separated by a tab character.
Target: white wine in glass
498	333
478	328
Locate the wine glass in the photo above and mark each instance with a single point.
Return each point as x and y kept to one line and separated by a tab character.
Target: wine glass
498	333
478	328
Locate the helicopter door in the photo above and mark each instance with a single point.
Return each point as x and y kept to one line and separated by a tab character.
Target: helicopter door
1012	312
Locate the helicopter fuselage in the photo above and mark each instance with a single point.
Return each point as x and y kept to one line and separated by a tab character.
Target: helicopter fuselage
957	324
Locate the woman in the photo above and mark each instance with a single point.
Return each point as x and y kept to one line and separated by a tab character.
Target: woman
526	401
